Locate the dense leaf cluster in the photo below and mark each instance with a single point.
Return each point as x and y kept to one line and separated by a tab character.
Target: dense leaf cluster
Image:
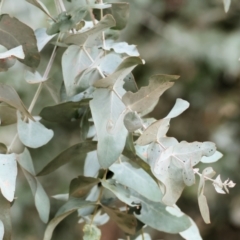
133	172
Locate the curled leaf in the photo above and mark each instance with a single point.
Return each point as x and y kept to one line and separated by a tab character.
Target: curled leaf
33	134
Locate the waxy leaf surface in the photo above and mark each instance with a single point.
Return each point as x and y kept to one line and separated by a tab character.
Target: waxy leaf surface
131	175
5	218
155	215
41	199
108	113
8	174
33	134
76	59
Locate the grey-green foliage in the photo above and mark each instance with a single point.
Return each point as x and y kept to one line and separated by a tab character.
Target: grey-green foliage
126	157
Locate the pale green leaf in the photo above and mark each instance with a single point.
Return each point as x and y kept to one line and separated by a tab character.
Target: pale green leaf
42	38
41	199
121	47
125	221
14	52
132	121
25	161
218	185
179	107
87	78
203	206
98	220
210	159
226	4
167	173
110	62
133	176
8	174
76	59
33	134
100	6
1	230
166	142
156	215
193	151
141	151
120	73
69	207
10	96
188	174
91	165
121	192
108	113
88	38
11	36
5	218
67	21
147	97
209	172
40	5
144	236
91	232
34	78
75	152
62	196
130	83
191	233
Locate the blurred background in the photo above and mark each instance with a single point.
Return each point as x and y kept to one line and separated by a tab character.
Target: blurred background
194	39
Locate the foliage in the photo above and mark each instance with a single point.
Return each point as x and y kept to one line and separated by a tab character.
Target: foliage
136	172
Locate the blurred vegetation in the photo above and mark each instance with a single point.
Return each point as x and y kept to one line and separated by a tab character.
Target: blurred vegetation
191	38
